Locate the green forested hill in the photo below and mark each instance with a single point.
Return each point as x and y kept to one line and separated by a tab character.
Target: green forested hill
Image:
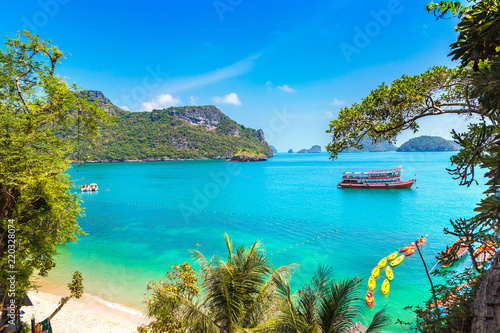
428	143
188	132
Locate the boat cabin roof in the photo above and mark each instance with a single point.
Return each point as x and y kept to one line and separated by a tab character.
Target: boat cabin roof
374	171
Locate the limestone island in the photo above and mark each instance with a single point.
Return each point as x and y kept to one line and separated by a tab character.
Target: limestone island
248	155
175	133
428	143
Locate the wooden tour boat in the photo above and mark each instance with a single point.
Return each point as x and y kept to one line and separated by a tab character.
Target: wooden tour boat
485	253
453	253
389	178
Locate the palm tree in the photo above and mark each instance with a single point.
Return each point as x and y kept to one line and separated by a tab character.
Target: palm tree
324	306
236	295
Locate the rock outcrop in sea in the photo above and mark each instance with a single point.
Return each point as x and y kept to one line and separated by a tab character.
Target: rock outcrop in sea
248	158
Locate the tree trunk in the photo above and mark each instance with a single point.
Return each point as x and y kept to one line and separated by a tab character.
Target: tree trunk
486	308
430	280
64	300
474	262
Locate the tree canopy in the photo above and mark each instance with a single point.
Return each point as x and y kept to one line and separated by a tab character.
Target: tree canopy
38	209
246	293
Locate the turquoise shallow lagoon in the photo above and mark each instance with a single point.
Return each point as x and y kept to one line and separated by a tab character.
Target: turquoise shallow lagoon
154	213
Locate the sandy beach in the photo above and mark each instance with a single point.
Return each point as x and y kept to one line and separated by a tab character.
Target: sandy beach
86	314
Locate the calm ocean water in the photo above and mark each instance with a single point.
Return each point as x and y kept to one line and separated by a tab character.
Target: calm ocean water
154	213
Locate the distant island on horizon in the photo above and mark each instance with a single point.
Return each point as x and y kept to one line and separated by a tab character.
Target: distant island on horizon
424	143
428	143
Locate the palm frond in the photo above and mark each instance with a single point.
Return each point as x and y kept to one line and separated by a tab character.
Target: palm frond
229	245
197	320
340	306
307	304
321	279
380	321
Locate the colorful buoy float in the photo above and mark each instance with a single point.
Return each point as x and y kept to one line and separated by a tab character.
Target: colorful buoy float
411	250
388	273
369	299
398	260
386	286
371	283
392	256
382	263
376	272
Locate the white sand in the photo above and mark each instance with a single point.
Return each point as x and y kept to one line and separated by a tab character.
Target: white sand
86	314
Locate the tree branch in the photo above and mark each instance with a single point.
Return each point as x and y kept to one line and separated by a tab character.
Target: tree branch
18	85
413	119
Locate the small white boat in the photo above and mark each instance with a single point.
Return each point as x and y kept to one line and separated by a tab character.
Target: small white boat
93	187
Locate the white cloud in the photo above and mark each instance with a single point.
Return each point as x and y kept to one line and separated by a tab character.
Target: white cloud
329	114
160	102
337	102
232	98
193	100
124	107
286	88
268	84
237	69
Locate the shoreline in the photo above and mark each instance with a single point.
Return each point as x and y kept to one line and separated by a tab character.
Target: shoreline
87	314
222	158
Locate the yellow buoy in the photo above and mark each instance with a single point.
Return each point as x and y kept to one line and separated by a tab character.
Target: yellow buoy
388	273
371	283
398	260
376	272
392	256
385	287
382	262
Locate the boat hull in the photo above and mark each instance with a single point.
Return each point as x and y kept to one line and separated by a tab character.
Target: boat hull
402	184
389	274
369	299
398	260
386	286
372	284
392	256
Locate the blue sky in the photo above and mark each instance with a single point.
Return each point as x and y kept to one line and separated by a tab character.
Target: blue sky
284	66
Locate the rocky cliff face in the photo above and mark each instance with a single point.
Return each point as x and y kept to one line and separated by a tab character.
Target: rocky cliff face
103	101
207	116
486	309
245	158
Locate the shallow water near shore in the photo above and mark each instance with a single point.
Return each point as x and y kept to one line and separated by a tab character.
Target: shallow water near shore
154	213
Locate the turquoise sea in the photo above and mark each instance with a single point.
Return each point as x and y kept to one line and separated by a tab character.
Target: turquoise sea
147	216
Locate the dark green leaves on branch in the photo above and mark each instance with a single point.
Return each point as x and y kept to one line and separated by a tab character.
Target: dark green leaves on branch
389	110
35	193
